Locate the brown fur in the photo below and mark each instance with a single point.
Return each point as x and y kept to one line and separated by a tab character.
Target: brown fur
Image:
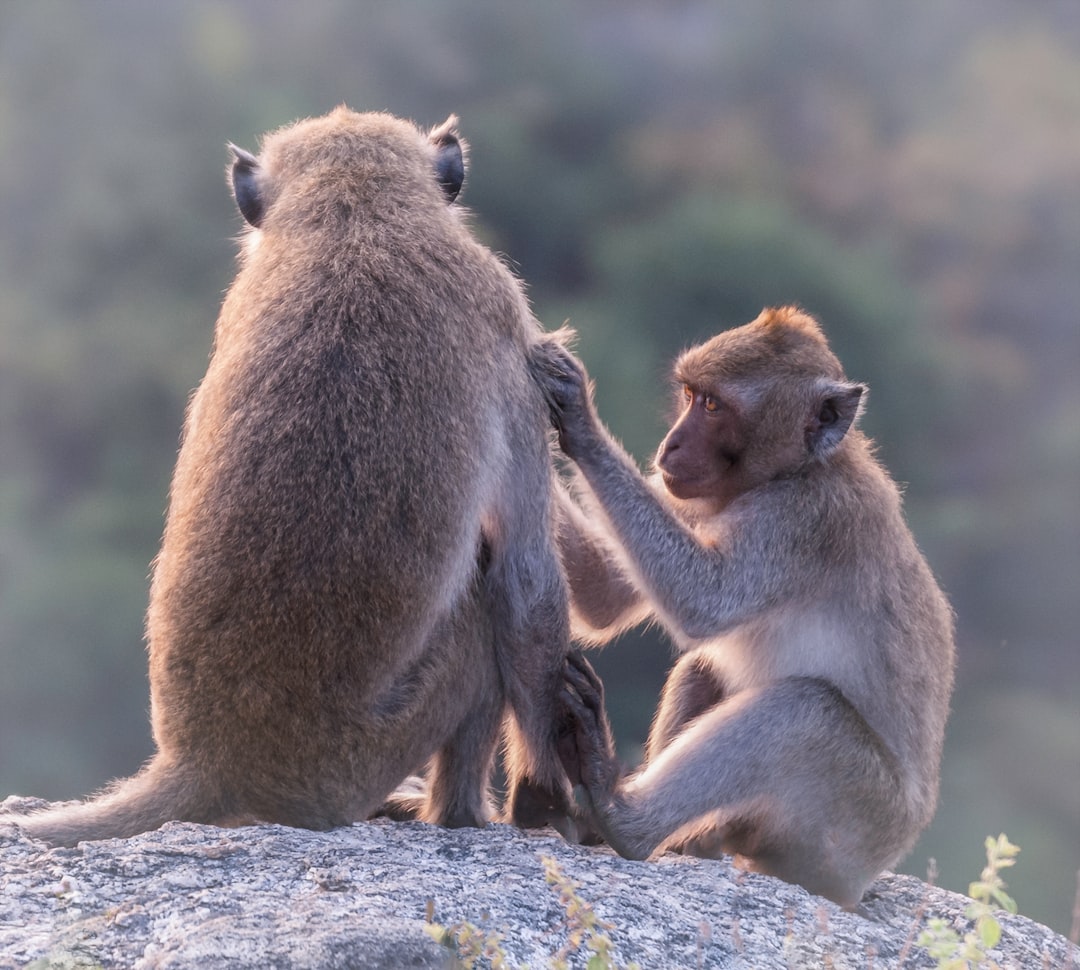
357	572
802	729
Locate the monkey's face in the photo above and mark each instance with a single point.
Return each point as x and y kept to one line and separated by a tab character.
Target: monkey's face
699	457
755	403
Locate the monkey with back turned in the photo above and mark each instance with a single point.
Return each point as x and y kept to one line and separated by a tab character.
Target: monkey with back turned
802	728
358	572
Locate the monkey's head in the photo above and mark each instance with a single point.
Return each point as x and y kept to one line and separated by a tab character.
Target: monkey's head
324	173
763	401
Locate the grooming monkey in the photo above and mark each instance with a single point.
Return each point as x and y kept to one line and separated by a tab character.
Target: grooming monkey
358	572
802	727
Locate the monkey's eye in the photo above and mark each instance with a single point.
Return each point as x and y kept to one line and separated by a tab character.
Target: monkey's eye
687	393
711	404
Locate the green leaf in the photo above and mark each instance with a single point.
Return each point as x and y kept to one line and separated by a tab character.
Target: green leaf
939	939
1003	900
989	930
440	934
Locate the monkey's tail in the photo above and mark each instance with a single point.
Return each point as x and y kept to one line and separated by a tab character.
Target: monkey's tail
160	793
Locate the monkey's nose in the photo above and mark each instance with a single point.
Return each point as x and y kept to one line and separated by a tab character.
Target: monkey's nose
664	452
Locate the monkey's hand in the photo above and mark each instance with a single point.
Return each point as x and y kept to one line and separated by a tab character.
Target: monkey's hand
586	745
567	389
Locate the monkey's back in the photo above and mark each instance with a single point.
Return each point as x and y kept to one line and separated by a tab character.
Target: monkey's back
318	527
895	623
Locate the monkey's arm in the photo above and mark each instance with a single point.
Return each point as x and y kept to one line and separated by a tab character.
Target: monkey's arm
604	602
698	590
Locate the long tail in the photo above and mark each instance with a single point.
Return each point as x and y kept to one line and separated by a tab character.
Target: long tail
160	793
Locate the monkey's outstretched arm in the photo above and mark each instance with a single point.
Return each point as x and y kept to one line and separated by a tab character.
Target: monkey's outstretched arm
603	600
698	590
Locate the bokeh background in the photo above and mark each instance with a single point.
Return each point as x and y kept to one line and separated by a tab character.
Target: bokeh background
908	170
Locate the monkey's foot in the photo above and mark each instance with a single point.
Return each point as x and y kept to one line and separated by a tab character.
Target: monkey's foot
406	802
579	827
531	805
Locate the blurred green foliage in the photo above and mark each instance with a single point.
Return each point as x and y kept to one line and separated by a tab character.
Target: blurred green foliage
656	171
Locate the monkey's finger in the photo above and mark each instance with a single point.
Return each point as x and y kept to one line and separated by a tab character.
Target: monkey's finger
590	730
561	395
554	355
589	689
558	372
571	702
574	677
577	660
588	698
557	402
551	362
566	747
565	360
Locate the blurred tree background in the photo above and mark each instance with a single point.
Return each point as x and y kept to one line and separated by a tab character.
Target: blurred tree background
657	171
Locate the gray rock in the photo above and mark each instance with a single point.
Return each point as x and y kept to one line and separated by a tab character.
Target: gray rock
273	897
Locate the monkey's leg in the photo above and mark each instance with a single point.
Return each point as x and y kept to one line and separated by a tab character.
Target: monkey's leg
442	716
532	637
459	773
458	796
453	791
807	792
693	687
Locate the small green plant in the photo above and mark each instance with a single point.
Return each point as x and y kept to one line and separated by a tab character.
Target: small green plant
988	896
587	931
468	943
586	928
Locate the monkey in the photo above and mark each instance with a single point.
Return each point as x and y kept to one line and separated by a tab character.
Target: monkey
801	728
357	576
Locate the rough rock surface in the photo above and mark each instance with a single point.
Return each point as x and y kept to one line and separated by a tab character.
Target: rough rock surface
273	897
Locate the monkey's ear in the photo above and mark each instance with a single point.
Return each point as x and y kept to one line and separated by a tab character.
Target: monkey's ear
449	158
245	185
836	405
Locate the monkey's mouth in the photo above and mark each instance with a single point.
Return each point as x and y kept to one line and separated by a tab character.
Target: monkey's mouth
687	486
679	487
